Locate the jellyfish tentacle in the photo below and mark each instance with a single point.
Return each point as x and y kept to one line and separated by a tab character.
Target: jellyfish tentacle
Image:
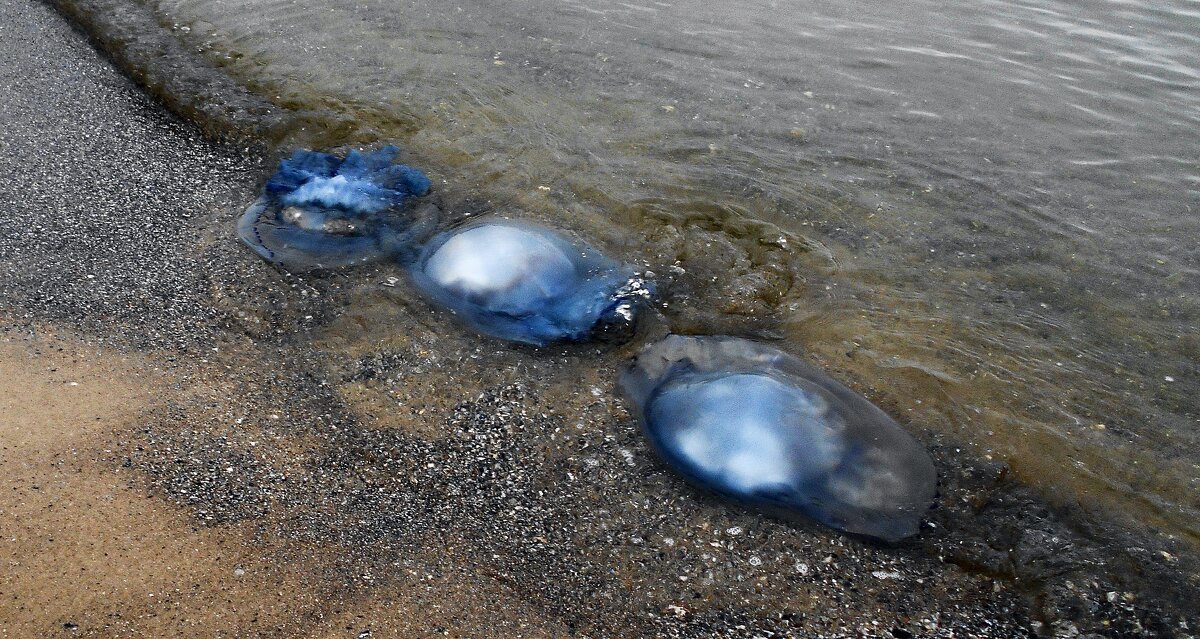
404	179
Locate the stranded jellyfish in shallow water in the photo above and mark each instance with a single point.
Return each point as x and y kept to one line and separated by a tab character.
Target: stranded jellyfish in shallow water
762	427
527	284
321	211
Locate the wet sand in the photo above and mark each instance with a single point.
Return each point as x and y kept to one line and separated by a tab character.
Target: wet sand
251	453
88	553
94	549
85	553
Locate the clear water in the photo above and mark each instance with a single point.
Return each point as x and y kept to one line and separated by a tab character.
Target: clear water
984	215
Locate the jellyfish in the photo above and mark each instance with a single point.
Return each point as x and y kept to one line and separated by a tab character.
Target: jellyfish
319	211
769	431
525	283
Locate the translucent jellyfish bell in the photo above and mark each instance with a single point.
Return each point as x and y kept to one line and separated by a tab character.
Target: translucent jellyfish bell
321	211
525	283
767	430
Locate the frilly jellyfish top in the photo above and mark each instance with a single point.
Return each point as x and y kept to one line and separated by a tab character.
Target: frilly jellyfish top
767	430
319	210
525	283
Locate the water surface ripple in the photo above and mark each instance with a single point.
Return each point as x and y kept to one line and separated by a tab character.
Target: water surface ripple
984	214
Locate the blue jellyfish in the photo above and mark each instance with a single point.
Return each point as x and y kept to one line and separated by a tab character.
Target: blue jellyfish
767	430
319	211
525	283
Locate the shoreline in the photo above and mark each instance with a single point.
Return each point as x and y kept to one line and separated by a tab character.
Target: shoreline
182	81
226	318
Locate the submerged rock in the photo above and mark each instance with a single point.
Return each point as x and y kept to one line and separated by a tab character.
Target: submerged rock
765	429
525	283
319	211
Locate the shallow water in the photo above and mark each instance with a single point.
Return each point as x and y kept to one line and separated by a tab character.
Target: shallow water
983	215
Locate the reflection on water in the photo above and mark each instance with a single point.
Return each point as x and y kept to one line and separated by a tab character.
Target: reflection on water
983	214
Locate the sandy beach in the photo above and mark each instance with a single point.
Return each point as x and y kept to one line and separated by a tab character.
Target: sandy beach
196	444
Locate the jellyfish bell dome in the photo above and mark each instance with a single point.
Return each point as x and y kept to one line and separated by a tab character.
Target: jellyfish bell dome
503	262
766	430
526	283
322	211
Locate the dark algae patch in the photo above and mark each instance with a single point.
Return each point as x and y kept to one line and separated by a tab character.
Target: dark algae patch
352	429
